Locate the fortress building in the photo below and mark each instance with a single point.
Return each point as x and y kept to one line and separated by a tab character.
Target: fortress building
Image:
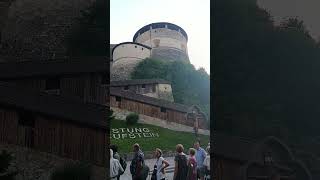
164	41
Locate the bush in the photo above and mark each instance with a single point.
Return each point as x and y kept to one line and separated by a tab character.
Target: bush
5	159
72	172
132	118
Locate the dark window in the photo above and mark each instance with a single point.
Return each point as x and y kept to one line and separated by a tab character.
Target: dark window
162	109
143	86
135	46
26	119
126	88
53	83
105	79
154	88
142	49
118	99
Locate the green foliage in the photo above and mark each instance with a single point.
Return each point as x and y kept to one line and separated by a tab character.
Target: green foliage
5	159
132	119
266	76
166	141
72	172
189	86
88	36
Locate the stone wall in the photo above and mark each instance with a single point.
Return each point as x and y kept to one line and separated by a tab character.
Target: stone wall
122	114
39	28
35	165
122	68
169	54
165	92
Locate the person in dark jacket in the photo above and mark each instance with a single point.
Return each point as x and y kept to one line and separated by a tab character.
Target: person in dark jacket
137	163
181	164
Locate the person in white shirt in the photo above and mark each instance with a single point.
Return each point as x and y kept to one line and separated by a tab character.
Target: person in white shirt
160	165
115	167
206	163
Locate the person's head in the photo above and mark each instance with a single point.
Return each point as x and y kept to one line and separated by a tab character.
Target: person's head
136	147
114	148
192	152
111	154
208	149
158	153
179	148
196	145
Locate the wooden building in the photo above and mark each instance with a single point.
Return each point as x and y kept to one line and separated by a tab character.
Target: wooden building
57	106
157	88
158	108
84	78
247	159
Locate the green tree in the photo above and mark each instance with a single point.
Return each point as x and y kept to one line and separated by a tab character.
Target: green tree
264	75
88	37
189	85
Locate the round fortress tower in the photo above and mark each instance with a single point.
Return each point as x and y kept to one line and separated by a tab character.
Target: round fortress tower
163	41
125	57
167	41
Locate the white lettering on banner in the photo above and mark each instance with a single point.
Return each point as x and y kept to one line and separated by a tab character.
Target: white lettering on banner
132	133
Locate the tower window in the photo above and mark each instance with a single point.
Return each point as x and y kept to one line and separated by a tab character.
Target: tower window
53	83
126	88
162	109
143	86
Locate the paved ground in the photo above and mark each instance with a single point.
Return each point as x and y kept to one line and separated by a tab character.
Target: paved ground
150	163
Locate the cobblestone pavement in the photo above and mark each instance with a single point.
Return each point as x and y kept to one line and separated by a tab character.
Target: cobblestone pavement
150	163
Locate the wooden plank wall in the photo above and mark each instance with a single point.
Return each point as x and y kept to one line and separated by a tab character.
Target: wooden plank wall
85	86
70	140
8	126
150	110
55	136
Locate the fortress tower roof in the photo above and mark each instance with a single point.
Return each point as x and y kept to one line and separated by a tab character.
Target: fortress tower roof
160	25
115	46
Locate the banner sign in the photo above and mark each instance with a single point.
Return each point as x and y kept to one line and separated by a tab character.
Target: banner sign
132	133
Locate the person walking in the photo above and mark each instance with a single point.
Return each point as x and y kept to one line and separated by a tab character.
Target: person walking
206	164
137	164
181	164
115	167
159	167
200	156
192	165
118	157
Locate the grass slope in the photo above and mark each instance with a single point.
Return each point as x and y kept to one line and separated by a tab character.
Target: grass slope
166	141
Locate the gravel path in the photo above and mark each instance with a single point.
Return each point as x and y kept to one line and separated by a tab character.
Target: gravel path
150	163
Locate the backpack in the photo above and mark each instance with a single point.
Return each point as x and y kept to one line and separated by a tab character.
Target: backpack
145	171
123	164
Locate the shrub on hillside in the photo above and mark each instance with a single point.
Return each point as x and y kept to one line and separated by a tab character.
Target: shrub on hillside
132	118
5	159
72	172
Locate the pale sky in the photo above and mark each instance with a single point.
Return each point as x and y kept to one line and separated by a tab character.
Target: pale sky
306	10
128	16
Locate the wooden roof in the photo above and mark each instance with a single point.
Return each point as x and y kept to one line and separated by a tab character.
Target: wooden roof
53	105
138	82
22	69
149	100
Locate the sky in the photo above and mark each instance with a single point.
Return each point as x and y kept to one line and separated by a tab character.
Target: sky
128	16
306	10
